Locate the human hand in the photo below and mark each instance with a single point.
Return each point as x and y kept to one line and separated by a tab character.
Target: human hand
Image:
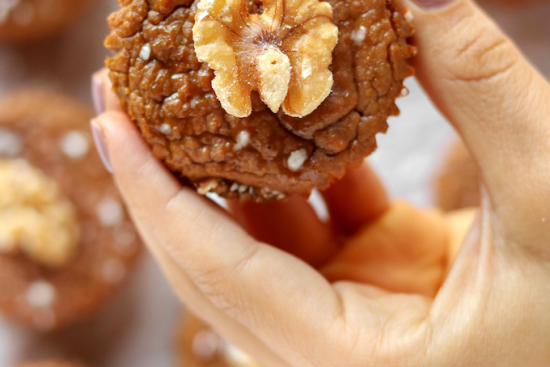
374	287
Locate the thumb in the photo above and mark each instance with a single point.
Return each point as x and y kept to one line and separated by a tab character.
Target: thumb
495	99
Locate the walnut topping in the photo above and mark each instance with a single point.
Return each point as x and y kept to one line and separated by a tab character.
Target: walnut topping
34	218
283	53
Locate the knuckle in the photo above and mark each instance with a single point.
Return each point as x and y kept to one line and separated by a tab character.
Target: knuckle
483	56
219	282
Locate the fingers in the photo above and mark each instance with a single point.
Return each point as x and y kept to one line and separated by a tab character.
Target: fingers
291	226
356	199
255	284
496	100
404	251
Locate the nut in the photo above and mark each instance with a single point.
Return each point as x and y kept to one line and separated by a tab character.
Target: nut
283	53
34	218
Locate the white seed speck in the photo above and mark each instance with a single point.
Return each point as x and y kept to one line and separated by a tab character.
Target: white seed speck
40	294
165	129
234	187
145	52
281	196
203	72
176	76
74	144
10	144
243	188
194	102
205	345
242	139
408	16
113	271
110	212
173	97
296	159
359	35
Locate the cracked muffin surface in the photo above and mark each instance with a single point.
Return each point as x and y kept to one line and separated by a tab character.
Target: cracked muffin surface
261	155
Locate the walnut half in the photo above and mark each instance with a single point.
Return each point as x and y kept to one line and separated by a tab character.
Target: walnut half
283	53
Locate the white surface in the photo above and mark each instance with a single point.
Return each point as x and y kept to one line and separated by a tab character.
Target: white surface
137	328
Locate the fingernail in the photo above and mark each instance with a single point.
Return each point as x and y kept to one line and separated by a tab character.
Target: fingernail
98	94
431	4
101	145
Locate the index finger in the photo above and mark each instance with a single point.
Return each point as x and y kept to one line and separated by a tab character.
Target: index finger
256	284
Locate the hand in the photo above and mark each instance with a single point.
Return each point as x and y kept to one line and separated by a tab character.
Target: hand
386	296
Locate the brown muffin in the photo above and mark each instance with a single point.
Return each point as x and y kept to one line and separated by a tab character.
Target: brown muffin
457	183
66	242
311	87
50	364
22	20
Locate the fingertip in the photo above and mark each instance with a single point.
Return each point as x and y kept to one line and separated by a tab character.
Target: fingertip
104	98
356	199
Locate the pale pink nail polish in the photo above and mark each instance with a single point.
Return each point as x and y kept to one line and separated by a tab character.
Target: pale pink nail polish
98	94
431	4
101	145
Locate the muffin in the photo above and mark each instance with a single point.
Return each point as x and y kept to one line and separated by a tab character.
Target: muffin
257	100
22	20
66	241
199	346
457	183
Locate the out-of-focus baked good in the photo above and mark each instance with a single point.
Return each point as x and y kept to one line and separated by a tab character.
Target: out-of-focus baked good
66	241
22	20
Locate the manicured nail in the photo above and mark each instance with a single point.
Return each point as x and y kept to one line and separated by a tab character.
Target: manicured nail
98	94
431	4
101	145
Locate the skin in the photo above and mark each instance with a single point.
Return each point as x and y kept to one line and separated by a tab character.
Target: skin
382	284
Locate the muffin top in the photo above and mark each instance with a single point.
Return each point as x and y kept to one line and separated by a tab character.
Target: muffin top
255	99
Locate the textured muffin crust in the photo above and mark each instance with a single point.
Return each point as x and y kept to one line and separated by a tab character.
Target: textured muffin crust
168	93
22	20
51	133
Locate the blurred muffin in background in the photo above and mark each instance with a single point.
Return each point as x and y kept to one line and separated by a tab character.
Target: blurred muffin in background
457	182
66	241
50	364
199	346
22	20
